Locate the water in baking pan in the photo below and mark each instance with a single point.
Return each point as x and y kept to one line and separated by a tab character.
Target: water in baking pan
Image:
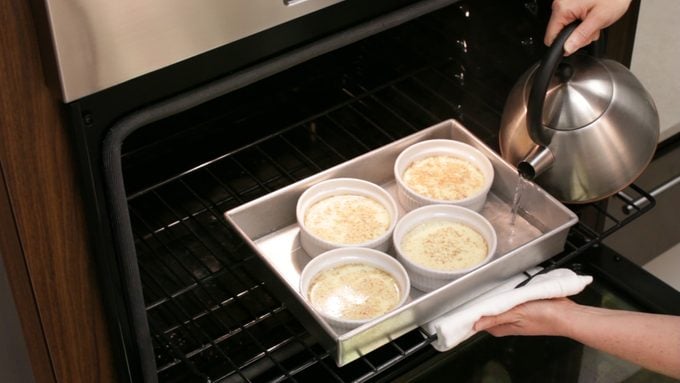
516	199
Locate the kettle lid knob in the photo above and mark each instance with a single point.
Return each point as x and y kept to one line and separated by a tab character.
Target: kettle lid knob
578	94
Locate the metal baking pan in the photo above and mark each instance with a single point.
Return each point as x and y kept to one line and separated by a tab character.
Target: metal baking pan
269	226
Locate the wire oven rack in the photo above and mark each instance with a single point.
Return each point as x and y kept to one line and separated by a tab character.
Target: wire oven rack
211	317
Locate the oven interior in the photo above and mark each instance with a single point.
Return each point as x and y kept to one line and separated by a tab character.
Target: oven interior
210	316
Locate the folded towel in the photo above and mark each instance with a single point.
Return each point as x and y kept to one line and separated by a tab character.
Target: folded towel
457	325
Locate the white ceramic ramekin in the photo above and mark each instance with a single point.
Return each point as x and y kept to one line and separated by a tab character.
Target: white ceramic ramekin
428	279
347	255
410	200
314	245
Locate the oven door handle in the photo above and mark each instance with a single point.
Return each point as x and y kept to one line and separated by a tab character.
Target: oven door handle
633	204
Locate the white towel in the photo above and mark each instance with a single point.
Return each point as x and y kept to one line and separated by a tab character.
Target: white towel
457	325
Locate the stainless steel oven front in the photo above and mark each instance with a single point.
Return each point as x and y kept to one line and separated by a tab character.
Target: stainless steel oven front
100	44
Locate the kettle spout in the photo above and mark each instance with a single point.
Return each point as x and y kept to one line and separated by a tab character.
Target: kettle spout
538	160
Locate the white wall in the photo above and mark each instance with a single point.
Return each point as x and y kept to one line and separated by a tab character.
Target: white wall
656	59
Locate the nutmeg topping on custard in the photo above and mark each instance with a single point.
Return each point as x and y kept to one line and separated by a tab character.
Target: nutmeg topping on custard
347	219
444	245
443	178
354	291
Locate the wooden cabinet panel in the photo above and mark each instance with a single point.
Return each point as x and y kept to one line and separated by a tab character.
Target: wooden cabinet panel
45	245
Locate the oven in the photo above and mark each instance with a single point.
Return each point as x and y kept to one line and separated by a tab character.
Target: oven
221	104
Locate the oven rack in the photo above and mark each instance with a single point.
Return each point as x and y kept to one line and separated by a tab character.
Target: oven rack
211	317
275	346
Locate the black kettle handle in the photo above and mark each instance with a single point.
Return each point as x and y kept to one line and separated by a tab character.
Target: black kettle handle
539	89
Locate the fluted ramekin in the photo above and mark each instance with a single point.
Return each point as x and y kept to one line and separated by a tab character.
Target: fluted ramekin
426	278
313	244
410	199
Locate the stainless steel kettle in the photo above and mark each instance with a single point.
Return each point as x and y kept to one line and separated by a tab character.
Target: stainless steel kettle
583	128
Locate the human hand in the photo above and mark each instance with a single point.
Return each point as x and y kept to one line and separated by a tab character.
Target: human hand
541	317
649	340
595	15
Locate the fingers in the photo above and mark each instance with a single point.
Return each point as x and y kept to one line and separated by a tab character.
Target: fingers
503	330
595	15
563	14
498	325
485	323
489	322
555	25
539	317
584	34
